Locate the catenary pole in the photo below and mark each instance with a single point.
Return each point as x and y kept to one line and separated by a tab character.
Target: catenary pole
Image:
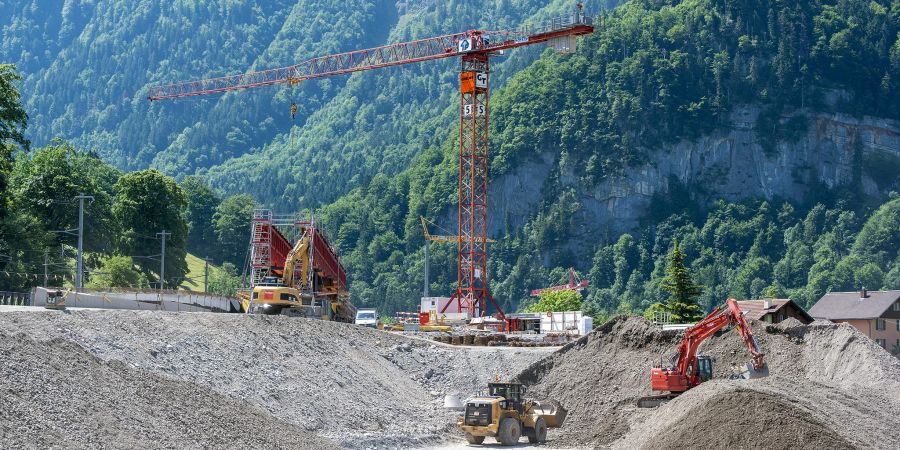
162	259
79	259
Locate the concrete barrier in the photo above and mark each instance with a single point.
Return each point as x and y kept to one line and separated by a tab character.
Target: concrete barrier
185	301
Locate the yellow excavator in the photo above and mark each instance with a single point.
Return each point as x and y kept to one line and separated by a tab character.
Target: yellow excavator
292	293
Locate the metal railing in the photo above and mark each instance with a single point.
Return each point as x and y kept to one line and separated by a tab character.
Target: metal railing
15	298
558	23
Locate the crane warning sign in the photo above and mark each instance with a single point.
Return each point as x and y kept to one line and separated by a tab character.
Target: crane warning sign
469	81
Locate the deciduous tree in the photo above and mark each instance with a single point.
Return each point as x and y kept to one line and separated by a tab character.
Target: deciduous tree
146	203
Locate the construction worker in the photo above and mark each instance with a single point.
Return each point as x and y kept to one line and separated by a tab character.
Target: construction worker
293	110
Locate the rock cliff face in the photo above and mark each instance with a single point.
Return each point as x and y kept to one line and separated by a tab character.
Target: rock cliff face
836	150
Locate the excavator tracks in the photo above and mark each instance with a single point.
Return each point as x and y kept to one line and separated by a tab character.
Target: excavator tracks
654	401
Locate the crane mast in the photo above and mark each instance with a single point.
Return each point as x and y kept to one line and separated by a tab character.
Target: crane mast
474	48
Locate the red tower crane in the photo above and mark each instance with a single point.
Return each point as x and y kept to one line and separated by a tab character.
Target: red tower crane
575	284
474	48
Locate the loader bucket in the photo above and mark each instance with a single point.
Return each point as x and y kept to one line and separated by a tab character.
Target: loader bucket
751	372
553	413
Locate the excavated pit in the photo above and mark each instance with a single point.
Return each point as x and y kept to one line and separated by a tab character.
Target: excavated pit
830	387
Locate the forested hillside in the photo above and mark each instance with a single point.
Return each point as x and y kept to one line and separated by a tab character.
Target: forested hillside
762	134
655	74
87	66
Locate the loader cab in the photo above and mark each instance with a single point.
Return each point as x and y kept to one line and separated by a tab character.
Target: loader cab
512	394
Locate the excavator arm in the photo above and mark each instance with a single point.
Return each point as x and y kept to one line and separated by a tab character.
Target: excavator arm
300	253
683	375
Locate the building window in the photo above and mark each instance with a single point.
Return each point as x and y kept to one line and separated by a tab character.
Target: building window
881	342
898	324
879	324
897	306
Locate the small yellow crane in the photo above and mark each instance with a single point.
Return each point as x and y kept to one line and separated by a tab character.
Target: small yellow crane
443	239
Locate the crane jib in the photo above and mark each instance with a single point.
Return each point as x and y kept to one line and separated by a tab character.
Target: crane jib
457	44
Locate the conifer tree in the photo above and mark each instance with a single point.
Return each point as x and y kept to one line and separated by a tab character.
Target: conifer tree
682	303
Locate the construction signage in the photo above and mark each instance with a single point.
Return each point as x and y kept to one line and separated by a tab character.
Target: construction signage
481	80
467	82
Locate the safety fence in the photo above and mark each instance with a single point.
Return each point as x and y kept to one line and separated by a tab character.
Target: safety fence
15	298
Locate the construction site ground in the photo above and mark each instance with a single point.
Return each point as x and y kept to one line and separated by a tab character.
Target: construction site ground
357	387
127	379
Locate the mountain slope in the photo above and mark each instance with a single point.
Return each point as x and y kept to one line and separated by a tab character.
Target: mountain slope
669	107
87	65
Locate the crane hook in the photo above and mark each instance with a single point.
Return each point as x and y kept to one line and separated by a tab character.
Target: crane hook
293	110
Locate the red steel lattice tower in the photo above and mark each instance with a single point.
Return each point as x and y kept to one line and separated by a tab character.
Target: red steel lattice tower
472	292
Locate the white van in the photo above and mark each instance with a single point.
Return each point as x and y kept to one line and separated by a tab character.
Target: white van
367	318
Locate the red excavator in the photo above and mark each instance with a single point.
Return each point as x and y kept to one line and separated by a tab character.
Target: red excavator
688	370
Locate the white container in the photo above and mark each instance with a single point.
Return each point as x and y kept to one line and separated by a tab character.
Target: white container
560	322
586	325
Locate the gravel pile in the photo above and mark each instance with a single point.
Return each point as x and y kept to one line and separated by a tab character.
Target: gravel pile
359	387
53	394
830	387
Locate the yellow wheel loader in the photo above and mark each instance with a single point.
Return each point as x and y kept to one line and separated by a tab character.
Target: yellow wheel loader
505	415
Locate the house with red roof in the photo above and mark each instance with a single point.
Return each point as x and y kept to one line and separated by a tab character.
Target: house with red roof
773	310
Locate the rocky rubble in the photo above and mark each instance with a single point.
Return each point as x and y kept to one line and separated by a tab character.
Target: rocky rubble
54	394
830	387
359	387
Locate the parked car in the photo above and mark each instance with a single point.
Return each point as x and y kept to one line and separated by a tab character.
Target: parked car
367	318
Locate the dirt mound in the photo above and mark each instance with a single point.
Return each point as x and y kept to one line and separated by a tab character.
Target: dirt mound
714	413
55	394
359	387
824	378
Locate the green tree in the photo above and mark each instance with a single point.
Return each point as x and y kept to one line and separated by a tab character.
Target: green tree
202	204
879	240
118	272
556	301
146	203
683	291
232	226
224	281
13	120
46	183
22	237
869	276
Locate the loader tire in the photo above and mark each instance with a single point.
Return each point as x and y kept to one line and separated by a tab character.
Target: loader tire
538	434
510	431
472	439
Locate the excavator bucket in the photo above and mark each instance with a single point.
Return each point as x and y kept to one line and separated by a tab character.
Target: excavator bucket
751	372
